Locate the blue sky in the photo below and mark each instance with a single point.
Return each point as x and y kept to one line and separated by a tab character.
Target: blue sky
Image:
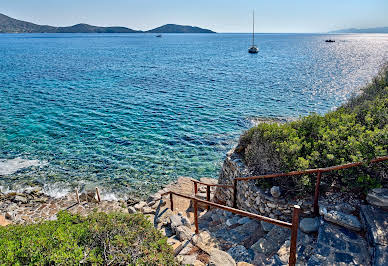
218	15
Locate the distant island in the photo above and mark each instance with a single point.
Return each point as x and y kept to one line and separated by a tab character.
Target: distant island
368	30
11	25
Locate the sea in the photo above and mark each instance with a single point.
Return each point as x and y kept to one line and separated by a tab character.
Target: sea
129	113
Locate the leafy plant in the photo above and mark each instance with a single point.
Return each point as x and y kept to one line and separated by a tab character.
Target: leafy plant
99	239
356	131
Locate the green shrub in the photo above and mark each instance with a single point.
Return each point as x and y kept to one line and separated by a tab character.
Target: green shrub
354	132
99	239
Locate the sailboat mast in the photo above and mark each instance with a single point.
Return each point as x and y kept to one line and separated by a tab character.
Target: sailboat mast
253	33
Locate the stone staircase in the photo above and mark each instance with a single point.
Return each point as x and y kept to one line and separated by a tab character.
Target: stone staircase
335	238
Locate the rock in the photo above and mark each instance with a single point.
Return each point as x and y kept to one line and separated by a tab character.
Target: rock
177	220
345	208
275	192
266	226
380	256
232	221
183	233
378	197
140	205
343	219
154	197
240	253
261	246
309	225
244	220
241	263
221	258
131	209
8	216
198	263
176	245
20	199
147	210
3	221
375	222
322	210
187	259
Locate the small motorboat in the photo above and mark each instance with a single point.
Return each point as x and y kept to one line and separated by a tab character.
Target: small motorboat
329	40
159	35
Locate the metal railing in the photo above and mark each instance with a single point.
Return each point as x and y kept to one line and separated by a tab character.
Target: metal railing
293	226
318	171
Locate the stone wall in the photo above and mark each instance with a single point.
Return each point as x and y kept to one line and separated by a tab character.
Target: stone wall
253	198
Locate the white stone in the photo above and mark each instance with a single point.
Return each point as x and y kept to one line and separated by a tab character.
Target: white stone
343	219
309	225
275	192
220	258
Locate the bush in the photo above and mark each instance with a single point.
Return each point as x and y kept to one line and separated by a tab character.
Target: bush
99	239
355	132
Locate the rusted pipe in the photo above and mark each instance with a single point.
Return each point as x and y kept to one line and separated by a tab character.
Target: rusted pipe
98	195
208	196
171	202
196	216
294	235
316	194
235	193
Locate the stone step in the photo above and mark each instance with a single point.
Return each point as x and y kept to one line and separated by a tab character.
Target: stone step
339	246
375	222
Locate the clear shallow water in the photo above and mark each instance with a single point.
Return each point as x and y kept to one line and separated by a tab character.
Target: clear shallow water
129	112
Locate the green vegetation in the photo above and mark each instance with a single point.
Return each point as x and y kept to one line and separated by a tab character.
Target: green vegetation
99	239
354	132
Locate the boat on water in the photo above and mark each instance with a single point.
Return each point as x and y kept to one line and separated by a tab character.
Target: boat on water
329	40
159	36
253	49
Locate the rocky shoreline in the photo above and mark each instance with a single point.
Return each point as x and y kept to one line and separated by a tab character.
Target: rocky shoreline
336	236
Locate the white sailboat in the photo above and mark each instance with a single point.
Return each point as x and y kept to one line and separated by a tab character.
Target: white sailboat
253	49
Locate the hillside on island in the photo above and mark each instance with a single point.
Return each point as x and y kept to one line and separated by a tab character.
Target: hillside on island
173	28
11	25
368	30
356	131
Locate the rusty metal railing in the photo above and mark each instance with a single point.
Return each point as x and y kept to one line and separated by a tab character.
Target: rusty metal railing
293	226
318	171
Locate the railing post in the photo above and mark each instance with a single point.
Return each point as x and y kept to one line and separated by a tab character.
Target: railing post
235	193
171	202
208	196
196	216
98	195
77	196
294	235
316	194
195	188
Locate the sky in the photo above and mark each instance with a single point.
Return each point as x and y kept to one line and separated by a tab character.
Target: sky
286	16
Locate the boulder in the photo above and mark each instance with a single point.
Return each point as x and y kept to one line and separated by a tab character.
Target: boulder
183	233
131	209
266	226
343	219
244	220
275	192
378	197
20	199
220	258
232	221
240	253
177	220
147	210
309	225
140	205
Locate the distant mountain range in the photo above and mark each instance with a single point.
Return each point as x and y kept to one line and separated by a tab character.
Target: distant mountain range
11	25
369	30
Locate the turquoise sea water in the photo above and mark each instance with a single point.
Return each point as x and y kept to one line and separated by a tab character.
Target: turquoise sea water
129	112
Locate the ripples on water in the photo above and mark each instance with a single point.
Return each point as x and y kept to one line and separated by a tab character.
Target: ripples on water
129	112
